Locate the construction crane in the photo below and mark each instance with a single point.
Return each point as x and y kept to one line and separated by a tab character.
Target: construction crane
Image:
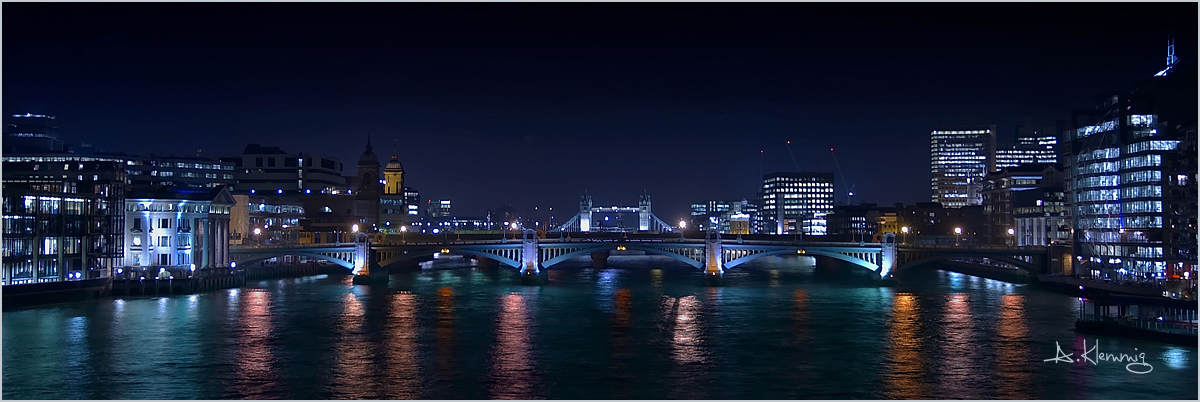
850	191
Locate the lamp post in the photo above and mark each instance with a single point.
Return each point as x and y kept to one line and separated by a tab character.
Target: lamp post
957	235
905	230
257	240
514	230
682	226
403	231
1011	232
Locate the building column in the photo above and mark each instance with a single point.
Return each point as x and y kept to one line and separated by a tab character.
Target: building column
225	244
205	243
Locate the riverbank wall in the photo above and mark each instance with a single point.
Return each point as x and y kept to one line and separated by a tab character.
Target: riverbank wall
16	296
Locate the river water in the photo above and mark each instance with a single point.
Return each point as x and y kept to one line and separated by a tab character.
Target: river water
646	328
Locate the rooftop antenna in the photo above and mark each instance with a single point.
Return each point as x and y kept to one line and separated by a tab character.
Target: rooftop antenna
1171	59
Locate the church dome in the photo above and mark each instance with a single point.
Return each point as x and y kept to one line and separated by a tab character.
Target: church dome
368	157
394	164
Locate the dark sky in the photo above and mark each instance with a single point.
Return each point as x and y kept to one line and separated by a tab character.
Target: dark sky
533	104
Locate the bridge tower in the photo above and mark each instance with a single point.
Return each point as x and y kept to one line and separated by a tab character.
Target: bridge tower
585	213
713	269
530	266
644	213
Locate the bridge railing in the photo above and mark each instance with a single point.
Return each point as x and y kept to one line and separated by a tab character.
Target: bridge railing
975	247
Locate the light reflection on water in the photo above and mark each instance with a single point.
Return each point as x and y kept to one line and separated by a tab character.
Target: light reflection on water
625	332
905	376
1012	359
512	373
958	348
255	373
402	352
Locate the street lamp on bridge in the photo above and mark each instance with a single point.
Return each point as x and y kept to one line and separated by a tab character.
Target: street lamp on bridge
957	235
682	226
403	231
905	230
1011	232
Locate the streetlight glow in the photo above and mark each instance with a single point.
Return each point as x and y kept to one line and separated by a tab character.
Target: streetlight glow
354	228
957	231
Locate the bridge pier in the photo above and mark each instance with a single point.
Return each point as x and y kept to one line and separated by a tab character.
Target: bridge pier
887	260
714	269
366	271
600	259
530	263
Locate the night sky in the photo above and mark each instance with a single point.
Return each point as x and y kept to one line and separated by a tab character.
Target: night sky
533	104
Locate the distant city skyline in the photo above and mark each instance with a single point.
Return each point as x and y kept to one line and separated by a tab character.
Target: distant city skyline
536	104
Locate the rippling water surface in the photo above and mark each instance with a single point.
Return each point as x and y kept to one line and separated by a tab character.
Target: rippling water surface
643	329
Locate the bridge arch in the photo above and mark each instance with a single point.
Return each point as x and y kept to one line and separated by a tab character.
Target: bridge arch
412	256
254	258
679	257
853	260
1029	267
503	260
578	253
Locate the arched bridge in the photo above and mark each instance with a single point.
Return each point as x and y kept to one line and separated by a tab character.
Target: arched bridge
713	254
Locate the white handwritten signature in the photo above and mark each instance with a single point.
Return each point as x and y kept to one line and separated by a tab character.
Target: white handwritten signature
1093	356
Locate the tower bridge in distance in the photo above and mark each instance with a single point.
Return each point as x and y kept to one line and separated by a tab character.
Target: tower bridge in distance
371	261
583	221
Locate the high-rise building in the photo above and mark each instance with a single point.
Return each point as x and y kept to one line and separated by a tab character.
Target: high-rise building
959	158
1040	149
1121	192
31	133
797	202
270	169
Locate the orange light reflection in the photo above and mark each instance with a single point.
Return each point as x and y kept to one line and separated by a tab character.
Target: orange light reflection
905	368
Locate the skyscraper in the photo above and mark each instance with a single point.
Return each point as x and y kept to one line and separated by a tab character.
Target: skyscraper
959	158
796	202
1121	194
